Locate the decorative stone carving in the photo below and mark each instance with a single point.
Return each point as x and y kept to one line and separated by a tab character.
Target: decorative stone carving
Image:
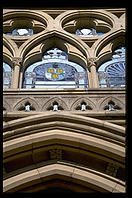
112	169
20	105
17	61
92	62
104	103
55	154
56	100
78	104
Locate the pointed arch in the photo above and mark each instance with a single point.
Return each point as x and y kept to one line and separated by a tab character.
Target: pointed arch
85	177
83	99
60	36
10	45
103	103
50	102
112	37
21	104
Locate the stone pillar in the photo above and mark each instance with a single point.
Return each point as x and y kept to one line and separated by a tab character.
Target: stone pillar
89	78
94	74
20	78
16	72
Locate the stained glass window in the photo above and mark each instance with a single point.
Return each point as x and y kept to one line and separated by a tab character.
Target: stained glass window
112	73
88	32
7	75
21	32
55	71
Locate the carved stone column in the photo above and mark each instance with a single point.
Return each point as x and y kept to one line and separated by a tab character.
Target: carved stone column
93	72
20	78
16	72
89	78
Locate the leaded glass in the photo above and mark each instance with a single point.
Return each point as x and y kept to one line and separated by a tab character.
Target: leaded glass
21	32
112	73
7	75
55	72
90	32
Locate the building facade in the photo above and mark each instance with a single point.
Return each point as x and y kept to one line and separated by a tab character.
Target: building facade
64	100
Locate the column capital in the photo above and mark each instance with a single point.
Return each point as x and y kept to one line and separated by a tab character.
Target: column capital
16	61
92	62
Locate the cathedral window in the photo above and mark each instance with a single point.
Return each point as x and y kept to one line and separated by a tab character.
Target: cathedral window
21	32
55	71
7	75
112	73
88	32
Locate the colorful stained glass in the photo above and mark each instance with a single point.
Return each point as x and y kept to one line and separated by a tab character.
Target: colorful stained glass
55	72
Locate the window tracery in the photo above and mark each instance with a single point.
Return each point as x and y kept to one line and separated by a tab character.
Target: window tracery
55	71
112	73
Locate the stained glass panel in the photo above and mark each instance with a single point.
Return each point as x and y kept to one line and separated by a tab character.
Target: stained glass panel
112	73
55	72
89	32
21	32
7	75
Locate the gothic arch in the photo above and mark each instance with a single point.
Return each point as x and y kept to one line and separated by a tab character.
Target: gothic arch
50	102
7	58
106	100
31	43
81	176
10	45
22	103
113	39
36	53
90	124
83	99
